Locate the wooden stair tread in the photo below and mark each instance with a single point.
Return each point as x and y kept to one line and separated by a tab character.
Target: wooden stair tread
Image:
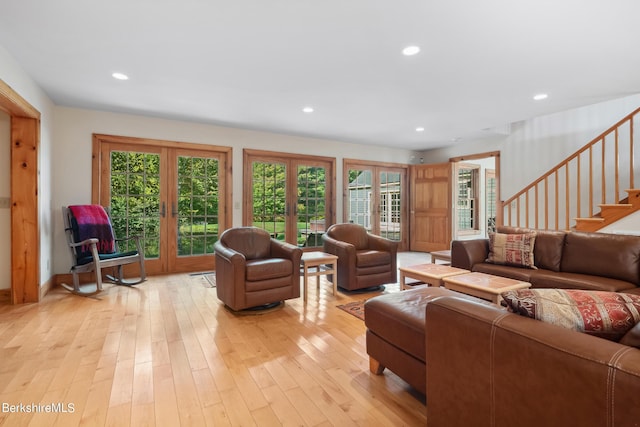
610	212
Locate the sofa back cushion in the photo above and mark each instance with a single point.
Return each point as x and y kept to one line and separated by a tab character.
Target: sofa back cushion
547	250
252	242
600	254
354	234
512	249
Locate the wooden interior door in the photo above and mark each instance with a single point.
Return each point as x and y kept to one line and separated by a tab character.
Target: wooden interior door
430	210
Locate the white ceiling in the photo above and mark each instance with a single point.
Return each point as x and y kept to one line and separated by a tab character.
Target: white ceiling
256	63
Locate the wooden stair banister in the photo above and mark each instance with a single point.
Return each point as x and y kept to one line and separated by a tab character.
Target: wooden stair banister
582	191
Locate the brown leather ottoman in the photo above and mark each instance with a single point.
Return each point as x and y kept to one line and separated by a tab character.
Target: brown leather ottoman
396	332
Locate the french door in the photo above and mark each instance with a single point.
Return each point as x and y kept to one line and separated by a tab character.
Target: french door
290	196
174	195
375	197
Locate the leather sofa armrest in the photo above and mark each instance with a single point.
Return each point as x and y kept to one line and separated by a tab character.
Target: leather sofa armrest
379	243
338	247
502	366
228	254
345	252
286	250
466	253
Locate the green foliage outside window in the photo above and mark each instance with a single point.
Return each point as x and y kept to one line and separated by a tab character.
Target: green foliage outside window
135	199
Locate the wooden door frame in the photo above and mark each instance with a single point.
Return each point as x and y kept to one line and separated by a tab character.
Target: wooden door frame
25	222
403	243
496	156
249	155
100	179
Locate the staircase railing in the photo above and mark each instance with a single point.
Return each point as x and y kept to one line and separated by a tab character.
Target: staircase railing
595	175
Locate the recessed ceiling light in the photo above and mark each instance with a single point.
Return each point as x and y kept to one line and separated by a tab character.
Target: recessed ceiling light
308	110
419	129
120	76
540	96
410	50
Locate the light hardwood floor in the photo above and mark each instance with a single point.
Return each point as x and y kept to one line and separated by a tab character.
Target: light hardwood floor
167	353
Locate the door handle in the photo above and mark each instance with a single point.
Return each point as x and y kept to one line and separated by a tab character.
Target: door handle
163	210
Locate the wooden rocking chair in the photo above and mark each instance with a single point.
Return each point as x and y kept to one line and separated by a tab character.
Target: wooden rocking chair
94	247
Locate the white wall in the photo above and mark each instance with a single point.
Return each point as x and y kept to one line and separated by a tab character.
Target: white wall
627	225
72	155
13	75
5	191
536	145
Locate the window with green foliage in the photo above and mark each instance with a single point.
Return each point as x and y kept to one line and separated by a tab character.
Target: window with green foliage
269	197
198	201
290	195
311	205
135	198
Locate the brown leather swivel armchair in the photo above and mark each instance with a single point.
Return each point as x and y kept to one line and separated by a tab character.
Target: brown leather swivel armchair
364	260
254	270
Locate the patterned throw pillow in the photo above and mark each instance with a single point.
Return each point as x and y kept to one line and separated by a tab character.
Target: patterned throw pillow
604	314
512	249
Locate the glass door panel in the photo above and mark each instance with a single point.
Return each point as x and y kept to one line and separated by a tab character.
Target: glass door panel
311	205
135	199
133	195
172	197
269	197
359	191
198	201
289	195
390	207
374	199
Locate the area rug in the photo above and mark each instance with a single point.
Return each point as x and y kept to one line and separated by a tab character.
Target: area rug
207	279
211	279
355	308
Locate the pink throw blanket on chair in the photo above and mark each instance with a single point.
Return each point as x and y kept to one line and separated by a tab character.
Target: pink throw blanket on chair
93	222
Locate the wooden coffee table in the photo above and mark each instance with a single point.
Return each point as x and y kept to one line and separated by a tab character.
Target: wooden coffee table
324	264
431	274
482	285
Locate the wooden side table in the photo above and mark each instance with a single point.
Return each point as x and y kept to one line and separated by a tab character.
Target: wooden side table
324	264
441	255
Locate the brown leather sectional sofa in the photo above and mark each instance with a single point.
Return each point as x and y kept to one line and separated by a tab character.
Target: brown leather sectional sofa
488	367
480	365
396	334
568	260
